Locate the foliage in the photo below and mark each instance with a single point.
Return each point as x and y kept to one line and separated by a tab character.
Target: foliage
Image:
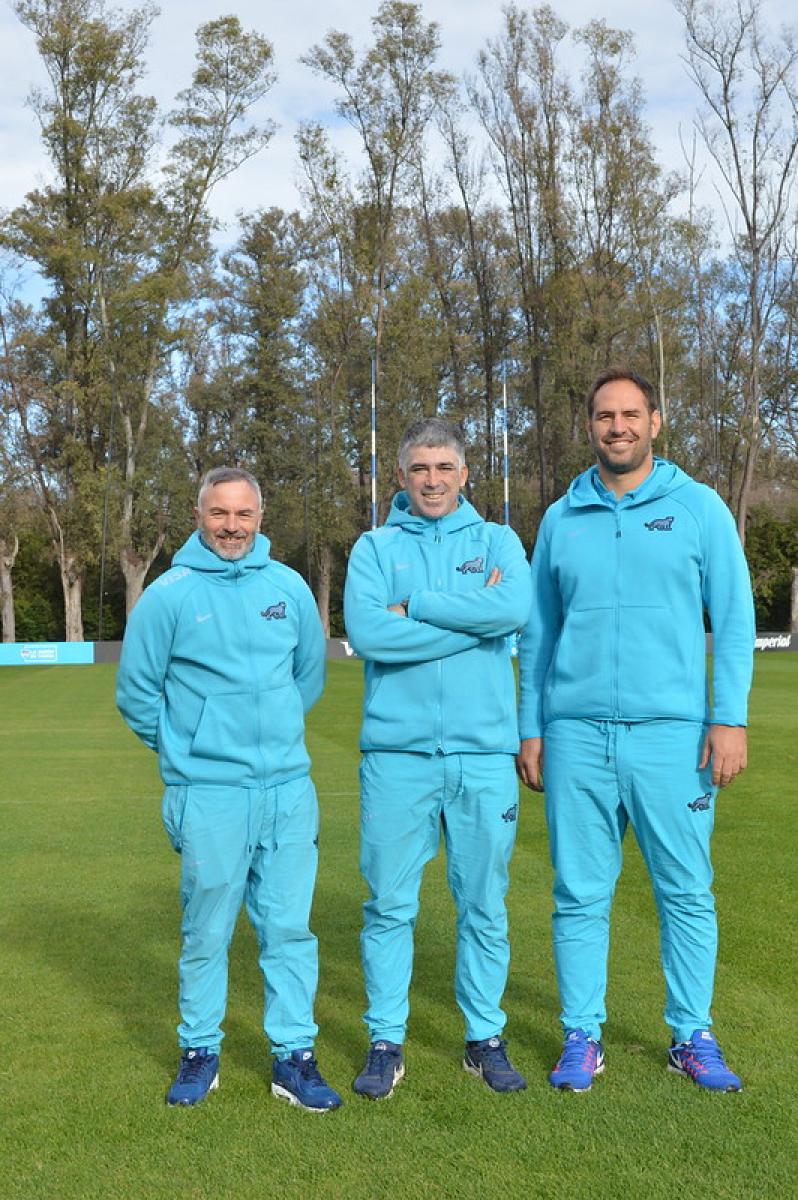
514	229
771	545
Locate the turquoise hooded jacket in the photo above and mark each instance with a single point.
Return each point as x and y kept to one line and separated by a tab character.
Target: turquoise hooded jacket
220	662
619	591
439	680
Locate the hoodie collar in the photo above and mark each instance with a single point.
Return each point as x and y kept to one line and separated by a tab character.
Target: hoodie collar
198	557
587	489
400	514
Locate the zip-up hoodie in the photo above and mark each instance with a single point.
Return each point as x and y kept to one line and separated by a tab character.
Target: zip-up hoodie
220	662
439	680
620	586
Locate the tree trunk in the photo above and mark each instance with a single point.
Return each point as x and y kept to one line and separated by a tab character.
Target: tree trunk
323	578
754	398
72	584
134	568
8	554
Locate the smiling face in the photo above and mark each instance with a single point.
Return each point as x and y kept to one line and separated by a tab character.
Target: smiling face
229	518
621	430
432	479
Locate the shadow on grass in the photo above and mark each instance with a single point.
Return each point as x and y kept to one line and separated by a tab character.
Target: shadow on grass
123	967
125	962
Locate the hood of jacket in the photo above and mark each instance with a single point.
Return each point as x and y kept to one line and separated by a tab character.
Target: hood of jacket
663	479
195	555
400	514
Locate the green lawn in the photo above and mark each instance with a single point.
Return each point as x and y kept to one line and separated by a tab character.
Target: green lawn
89	936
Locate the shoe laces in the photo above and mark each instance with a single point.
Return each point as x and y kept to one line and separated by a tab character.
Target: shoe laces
577	1052
495	1052
379	1057
707	1055
192	1067
309	1070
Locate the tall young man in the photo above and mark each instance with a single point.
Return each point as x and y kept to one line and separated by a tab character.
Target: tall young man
614	694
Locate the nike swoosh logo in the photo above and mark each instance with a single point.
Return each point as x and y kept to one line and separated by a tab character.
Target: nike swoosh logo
207	617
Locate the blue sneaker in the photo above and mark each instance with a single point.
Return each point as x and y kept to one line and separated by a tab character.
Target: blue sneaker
384	1068
582	1057
701	1059
198	1074
488	1060
297	1080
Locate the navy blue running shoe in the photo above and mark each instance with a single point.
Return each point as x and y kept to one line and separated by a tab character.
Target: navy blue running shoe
297	1079
488	1060
701	1059
384	1068
582	1057
198	1074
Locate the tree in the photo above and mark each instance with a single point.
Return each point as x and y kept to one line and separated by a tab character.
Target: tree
121	254
233	72
478	304
522	100
749	87
387	97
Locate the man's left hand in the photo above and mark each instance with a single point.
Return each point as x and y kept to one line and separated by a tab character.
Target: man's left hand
727	748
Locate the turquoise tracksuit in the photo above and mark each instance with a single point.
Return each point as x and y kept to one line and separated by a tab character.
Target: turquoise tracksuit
439	737
613	677
220	662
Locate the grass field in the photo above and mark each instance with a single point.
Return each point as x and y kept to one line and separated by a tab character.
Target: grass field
89	945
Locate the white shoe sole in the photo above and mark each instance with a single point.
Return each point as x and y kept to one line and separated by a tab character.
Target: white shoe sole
283	1094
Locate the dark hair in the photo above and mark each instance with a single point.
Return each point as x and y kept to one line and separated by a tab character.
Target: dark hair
610	375
431	431
228	475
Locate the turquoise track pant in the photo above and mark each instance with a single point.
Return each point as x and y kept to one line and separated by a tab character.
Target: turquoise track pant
406	801
599	776
256	846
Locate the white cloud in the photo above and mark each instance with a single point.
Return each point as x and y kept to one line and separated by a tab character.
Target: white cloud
298	95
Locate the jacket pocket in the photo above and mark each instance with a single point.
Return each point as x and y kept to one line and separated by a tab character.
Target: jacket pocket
660	663
227	730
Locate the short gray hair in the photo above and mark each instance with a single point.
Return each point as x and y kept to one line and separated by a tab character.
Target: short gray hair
431	431
228	475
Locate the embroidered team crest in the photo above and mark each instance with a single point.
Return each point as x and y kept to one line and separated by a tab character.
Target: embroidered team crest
701	803
664	523
472	566
275	612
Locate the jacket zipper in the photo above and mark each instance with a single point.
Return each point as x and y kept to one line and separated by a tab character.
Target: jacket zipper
438	541
617	618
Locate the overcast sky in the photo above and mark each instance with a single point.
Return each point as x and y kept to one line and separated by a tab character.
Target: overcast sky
293	27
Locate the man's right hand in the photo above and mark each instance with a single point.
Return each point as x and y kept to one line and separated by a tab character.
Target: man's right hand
529	763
